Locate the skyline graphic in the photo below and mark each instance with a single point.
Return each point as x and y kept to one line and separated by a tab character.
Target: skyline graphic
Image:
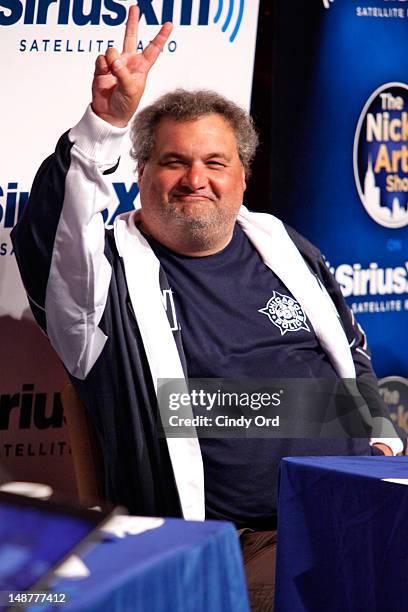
372	198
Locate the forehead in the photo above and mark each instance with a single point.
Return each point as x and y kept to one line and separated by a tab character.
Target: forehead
207	132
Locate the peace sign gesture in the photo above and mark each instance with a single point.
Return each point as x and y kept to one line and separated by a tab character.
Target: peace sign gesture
120	78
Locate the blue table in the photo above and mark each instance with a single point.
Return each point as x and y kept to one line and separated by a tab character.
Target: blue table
343	535
182	566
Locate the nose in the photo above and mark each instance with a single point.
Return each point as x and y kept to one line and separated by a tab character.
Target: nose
194	177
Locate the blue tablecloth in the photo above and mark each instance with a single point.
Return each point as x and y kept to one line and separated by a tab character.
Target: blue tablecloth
343	535
182	566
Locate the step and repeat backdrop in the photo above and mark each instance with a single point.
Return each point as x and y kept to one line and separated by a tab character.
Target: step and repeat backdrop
339	159
48	51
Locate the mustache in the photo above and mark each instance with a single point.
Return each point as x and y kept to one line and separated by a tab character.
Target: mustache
200	193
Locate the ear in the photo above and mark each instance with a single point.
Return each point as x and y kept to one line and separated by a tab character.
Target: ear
244	185
140	170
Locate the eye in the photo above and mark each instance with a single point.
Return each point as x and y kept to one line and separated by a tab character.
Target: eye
172	163
215	164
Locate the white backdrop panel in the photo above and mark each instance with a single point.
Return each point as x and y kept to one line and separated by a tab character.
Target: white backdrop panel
48	50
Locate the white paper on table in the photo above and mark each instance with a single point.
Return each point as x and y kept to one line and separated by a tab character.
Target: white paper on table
122	525
403	481
73	567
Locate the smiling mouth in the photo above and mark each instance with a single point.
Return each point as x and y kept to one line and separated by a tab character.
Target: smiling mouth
192	197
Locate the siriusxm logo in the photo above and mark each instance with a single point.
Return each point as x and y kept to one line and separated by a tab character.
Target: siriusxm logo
113	12
126	201
228	17
12	204
31	409
13	201
358	281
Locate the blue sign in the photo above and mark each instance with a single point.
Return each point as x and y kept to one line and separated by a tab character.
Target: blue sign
340	153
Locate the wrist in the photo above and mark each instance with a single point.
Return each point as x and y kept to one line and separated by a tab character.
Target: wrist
98	140
115	121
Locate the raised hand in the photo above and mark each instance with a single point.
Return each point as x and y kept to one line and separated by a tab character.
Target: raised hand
120	78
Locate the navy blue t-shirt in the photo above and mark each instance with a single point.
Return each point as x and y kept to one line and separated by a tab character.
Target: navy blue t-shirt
238	320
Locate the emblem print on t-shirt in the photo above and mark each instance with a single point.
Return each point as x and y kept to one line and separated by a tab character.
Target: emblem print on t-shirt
285	312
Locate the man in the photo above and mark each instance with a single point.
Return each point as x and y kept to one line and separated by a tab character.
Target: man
98	297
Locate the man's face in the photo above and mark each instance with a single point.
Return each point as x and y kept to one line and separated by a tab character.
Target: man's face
192	186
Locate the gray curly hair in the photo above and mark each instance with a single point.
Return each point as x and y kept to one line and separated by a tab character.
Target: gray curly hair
183	105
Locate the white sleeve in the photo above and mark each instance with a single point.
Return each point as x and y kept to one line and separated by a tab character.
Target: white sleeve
80	274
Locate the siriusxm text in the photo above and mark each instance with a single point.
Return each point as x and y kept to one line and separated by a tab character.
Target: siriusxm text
27	408
374	280
13	201
96	12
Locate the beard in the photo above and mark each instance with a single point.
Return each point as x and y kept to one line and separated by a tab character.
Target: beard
200	225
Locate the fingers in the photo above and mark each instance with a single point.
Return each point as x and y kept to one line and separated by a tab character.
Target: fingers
155	47
117	66
101	66
130	39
